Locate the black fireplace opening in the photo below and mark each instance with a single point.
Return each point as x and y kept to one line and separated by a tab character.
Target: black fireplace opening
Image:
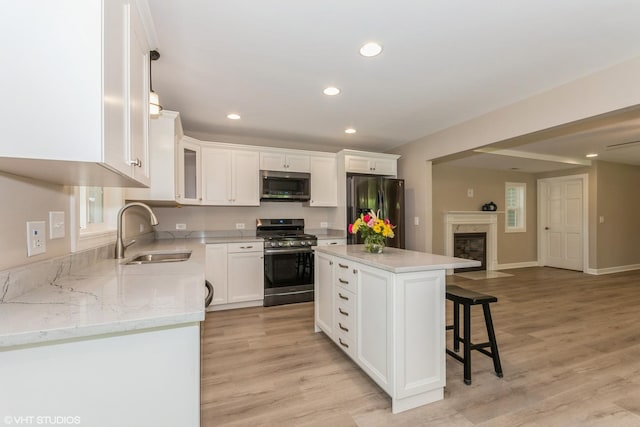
470	246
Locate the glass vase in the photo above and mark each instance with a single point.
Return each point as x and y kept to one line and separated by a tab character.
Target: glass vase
374	244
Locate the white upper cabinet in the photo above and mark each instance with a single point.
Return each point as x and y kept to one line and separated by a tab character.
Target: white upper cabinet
165	136
284	161
370	163
78	87
230	177
324	181
138	96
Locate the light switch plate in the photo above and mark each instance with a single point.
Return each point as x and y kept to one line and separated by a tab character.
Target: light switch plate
324	225
239	225
36	239
56	225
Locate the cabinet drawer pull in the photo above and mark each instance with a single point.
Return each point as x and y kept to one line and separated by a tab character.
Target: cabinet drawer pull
343	297
330	262
355	271
342	327
333	243
343	266
345	313
344	282
344	344
246	247
136	162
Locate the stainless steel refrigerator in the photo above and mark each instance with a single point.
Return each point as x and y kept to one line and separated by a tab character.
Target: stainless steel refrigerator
365	193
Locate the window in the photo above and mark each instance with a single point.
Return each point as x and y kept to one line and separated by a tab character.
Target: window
515	207
94	213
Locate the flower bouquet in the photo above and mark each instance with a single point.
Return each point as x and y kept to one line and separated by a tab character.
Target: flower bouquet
373	230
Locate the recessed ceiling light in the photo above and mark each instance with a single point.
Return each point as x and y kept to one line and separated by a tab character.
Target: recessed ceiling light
350	131
331	91
370	49
233	116
592	155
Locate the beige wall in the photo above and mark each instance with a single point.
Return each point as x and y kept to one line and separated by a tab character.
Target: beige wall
617	202
221	218
611	89
29	200
450	185
417	175
25	200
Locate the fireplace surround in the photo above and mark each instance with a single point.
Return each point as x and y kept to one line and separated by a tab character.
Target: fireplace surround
473	222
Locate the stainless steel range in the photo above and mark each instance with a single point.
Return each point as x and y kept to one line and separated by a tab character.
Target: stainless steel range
288	261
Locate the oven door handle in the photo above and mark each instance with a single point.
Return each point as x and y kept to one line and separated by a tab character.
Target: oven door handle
288	251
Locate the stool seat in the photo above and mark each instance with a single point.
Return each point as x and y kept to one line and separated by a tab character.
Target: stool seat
467	298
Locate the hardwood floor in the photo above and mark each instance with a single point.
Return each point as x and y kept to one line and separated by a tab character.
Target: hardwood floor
569	345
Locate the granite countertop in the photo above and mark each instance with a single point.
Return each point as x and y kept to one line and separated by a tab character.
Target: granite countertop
397	260
108	297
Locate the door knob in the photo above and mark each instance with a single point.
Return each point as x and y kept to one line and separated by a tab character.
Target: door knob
546	228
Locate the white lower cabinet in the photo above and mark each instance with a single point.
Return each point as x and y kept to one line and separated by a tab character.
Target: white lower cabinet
391	324
236	271
245	267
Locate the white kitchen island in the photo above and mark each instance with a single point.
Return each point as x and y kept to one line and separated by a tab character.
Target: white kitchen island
387	312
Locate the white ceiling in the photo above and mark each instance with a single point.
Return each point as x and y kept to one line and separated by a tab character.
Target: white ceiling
444	62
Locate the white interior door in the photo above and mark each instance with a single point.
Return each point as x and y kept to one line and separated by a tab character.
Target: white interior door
562	223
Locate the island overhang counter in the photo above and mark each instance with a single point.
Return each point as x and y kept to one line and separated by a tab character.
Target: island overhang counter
387	312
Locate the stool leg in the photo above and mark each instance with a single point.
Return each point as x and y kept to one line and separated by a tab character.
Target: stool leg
467	344
456	327
492	340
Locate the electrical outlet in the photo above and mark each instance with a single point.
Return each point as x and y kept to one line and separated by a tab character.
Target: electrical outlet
56	225
36	239
239	225
181	226
469	192
324	225
416	220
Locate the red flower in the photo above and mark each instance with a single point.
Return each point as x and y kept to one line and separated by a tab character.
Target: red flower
366	218
386	221
351	228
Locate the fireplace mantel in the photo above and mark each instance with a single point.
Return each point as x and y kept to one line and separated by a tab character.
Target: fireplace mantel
488	218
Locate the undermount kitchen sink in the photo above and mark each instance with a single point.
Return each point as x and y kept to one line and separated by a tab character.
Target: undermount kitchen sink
159	257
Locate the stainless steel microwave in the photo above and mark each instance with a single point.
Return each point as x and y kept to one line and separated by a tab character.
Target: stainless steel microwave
285	186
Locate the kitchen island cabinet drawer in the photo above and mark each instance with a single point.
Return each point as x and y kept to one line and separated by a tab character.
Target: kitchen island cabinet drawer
346	276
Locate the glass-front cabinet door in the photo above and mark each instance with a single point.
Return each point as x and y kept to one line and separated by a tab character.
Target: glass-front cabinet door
188	176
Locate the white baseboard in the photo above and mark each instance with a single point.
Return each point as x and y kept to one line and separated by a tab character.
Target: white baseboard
610	270
517	265
219	307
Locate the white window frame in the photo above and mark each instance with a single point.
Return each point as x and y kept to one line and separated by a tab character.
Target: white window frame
521	210
95	235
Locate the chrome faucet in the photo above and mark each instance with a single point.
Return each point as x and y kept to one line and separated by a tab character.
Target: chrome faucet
120	245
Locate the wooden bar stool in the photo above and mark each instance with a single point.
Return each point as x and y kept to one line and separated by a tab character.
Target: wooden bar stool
467	298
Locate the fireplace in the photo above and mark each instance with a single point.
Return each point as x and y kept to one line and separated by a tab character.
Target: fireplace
473	222
470	246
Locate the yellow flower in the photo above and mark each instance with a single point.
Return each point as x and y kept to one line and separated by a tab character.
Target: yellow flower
377	228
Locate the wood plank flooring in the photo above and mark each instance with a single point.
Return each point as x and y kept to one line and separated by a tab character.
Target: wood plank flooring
569	345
